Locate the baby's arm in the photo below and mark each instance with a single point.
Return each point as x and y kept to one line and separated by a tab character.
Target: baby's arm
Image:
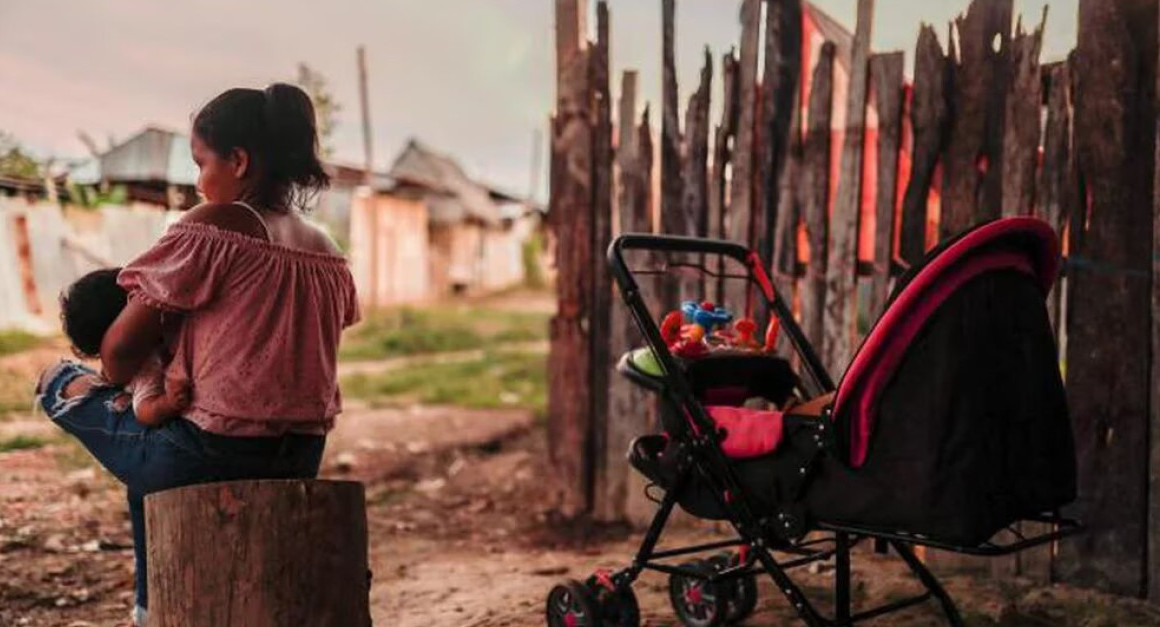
153	404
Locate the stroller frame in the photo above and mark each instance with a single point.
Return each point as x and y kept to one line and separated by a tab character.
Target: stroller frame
758	536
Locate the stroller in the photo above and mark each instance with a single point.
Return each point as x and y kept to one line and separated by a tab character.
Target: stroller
949	426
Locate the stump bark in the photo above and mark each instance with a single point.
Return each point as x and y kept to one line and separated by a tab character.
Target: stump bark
261	553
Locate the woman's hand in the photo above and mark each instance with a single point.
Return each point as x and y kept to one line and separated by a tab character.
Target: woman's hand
129	341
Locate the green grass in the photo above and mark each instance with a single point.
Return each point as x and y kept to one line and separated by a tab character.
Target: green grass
498	379
13	341
413	331
21	442
15	392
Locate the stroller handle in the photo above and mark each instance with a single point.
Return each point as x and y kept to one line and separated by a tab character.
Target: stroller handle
667	244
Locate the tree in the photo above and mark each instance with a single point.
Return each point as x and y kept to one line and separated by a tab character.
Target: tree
14	161
326	108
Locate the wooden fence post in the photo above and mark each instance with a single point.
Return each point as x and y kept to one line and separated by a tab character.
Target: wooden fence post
1055	185
779	97
695	173
570	392
740	214
722	154
1109	290
815	190
841	281
971	157
258	553
1021	122
601	356
886	72
620	494
674	219
929	122
1152	564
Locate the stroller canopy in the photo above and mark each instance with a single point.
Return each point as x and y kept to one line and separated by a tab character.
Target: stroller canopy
1025	245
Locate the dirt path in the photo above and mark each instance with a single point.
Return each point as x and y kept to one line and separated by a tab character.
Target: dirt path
462	533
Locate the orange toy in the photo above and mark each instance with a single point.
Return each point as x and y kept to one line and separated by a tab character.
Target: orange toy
745	329
771	335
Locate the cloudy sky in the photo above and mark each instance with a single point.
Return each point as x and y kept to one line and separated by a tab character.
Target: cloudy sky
473	78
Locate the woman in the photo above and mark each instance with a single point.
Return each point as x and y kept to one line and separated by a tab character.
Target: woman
251	299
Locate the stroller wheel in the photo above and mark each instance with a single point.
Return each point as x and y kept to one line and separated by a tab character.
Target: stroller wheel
696	601
571	604
617	606
741	599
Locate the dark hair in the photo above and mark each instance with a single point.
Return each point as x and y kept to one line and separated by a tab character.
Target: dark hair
277	128
88	308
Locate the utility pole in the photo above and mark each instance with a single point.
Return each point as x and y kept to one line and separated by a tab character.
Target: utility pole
366	115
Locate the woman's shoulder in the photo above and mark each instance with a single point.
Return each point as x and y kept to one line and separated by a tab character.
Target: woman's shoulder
323	242
225	216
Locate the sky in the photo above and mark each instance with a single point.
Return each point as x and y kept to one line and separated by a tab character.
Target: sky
472	78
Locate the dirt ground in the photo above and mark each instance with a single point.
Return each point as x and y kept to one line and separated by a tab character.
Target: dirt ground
462	533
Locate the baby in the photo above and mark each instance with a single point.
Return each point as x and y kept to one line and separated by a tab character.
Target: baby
88	308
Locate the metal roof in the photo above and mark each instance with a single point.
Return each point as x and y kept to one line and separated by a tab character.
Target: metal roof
154	154
455	196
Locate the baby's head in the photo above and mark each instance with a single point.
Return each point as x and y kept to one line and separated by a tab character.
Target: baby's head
88	308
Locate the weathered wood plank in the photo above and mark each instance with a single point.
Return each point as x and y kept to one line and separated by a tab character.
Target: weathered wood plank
785	230
695	171
740	213
886	72
841	262
569	396
1152	564
629	406
815	190
1020	152
1051	197
601	357
638	509
779	98
1109	293
674	219
1021	122
999	58
722	154
1054	180
971	152
930	124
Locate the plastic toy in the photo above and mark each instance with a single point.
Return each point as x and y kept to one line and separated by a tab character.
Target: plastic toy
771	334
671	327
745	328
706	315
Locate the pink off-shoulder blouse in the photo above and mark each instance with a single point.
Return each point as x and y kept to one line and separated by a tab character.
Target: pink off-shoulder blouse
260	331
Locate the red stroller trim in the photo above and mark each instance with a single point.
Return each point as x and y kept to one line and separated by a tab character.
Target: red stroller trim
883	350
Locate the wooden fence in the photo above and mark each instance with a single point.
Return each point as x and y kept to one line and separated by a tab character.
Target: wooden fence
983	130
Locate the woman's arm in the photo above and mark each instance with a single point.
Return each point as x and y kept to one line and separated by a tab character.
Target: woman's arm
133	336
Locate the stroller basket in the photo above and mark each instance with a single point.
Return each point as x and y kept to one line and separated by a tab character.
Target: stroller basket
949	427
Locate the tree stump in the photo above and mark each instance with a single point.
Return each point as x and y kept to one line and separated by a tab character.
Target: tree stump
263	553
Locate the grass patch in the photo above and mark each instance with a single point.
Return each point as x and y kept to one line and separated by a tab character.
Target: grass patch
498	379
418	330
13	341
21	442
15	392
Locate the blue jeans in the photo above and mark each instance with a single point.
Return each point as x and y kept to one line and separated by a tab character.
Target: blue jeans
175	454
